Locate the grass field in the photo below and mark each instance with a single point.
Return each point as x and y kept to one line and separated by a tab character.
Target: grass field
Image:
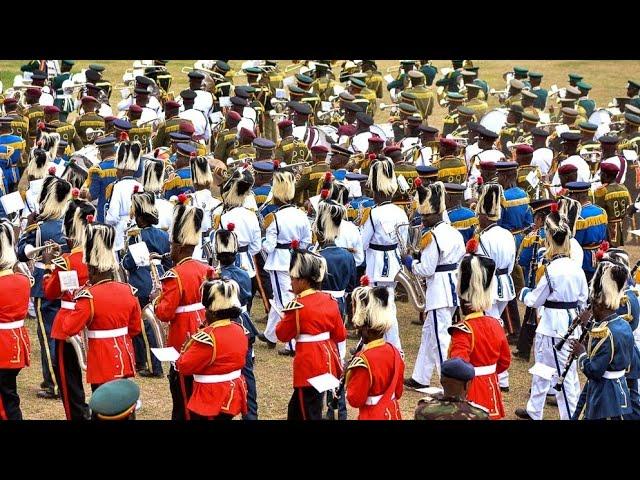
273	372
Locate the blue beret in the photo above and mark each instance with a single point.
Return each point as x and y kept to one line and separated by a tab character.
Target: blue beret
357	82
63	143
426	170
186	149
353	107
486	133
608	139
302	108
188	94
265	167
578	186
242	91
340	174
114	399
106	141
541	204
429	129
454	188
179	137
222	65
539	132
195	75
571	136
364	118
122	124
264	143
238	101
506	166
457	368
39	75
359	177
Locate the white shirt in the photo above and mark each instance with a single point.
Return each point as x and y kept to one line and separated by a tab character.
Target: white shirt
247	229
119	207
204	200
445	248
349	237
568	284
289	223
203	102
584	173
380	229
153	103
498	243
490	155
542	158
105	110
360	142
165	213
199	121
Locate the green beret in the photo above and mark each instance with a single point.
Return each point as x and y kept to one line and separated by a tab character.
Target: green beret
253	70
358	83
587	127
520	70
69	62
634	84
466	111
304	79
296	89
575	77
455	96
632	119
96	67
115	400
407	108
583	85
535	75
408	95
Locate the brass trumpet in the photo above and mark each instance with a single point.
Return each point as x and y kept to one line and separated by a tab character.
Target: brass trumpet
292	67
49	247
217	75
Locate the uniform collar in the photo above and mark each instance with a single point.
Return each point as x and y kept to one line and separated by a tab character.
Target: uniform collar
474	315
220	323
4	273
307	292
76	250
374	343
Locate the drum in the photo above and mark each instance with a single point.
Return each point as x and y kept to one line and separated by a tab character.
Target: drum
494	120
383	130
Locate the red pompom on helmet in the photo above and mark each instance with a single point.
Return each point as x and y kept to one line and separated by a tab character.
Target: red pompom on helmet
90	218
472	245
75	192
182	198
327	177
52	170
324	193
276	164
372	156
211	273
604	246
295	244
123	137
231	226
554	208
417	182
136	188
41	126
599	255
479	181
364	281
192	155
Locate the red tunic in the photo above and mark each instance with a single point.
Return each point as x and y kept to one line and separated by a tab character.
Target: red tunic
107	305
51	285
481	341
181	288
218	349
376	371
15	346
318	314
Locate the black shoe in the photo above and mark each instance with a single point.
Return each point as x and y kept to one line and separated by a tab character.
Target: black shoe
521	355
149	374
552	400
286	352
411	383
44	385
264	339
504	389
47	393
523	414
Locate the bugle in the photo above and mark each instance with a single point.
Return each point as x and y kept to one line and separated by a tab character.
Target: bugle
49	247
292	67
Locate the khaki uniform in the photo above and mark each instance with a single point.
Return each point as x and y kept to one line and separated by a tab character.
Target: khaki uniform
522	179
375	82
141	134
425	99
449	123
439	407
514	100
370	95
88	120
452	169
479	106
323	88
310	182
240	152
291	150
224	143
35	114
409	172
67	133
510	133
162	138
614	199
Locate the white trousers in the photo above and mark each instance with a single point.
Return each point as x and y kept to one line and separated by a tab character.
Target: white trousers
496	311
282	294
393	334
434	344
568	396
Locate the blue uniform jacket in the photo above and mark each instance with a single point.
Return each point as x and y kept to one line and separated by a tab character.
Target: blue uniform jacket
464	220
516	213
99	179
180	184
341	272
541	102
610	348
140	277
241	277
49	230
591	231
526	253
262	193
9	166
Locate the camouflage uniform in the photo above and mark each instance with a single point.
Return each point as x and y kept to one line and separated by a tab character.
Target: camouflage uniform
439	407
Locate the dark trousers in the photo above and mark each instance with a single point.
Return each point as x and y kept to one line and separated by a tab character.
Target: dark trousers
9	399
144	342
69	378
265	280
45	313
342	406
511	318
252	392
306	404
180	387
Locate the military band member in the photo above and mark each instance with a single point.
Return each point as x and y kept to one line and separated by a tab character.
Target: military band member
145	214
180	302
201	197
182	181
313	319
290	149
610	349
462	218
226	137
514	94
66	131
14	147
42	227
535	79
34	113
452	403
16	345
451	167
562	290
282	227
380	227
62	100
215	356
115	400
442	247
449	122
629	136
107	308
170	124
197	117
88	120
570	156
311	179
39	165
474	102
425	97
542	155
608	149
102	175
374	375
614	199
511	130
527	103
524	155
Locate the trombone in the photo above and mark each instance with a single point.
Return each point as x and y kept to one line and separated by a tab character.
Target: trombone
292	67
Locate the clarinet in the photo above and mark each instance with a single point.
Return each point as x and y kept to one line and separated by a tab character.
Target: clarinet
343	379
574	324
559	385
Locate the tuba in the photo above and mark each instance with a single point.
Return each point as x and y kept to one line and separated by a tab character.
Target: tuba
409	281
148	312
79	344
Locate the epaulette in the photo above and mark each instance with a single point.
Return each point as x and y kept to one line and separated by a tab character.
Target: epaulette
356	362
134	290
365	215
31	227
292	305
203	337
60	262
601	331
32	280
425	240
462	326
216	221
269	219
84	293
600	192
169	274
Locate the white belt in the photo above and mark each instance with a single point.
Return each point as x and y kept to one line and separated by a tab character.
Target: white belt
485	370
11	325
244	308
68	305
189	308
335	293
614	375
118	332
304	338
39	265
217	378
376	398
